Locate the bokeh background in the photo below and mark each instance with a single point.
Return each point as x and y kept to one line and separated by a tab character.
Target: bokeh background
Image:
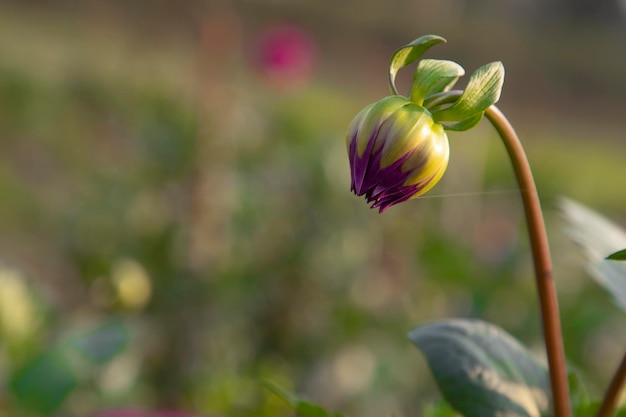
176	225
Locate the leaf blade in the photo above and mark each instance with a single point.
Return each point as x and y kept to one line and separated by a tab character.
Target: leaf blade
102	343
43	384
302	407
598	236
481	370
620	255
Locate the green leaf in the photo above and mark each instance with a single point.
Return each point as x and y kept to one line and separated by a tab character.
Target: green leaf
409	54
483	90
620	255
302	407
598	236
102	343
591	409
586	410
612	276
483	371
434	76
438	409
578	390
43	384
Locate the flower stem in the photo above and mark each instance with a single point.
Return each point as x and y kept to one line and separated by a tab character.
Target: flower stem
614	392
546	288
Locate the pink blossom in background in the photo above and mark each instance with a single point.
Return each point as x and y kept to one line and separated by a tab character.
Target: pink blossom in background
285	55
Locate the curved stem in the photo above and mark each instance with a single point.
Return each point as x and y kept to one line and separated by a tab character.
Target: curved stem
546	288
614	392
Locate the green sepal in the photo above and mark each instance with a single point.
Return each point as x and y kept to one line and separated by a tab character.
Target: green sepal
483	90
441	100
434	76
409	54
466	124
620	255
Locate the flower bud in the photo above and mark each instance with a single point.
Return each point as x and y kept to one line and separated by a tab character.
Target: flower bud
396	150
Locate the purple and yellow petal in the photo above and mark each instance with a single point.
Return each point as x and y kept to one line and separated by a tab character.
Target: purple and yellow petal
396	152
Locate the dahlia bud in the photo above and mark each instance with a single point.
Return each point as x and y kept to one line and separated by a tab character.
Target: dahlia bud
396	151
398	147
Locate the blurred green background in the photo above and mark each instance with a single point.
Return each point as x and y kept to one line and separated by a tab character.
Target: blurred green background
176	224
